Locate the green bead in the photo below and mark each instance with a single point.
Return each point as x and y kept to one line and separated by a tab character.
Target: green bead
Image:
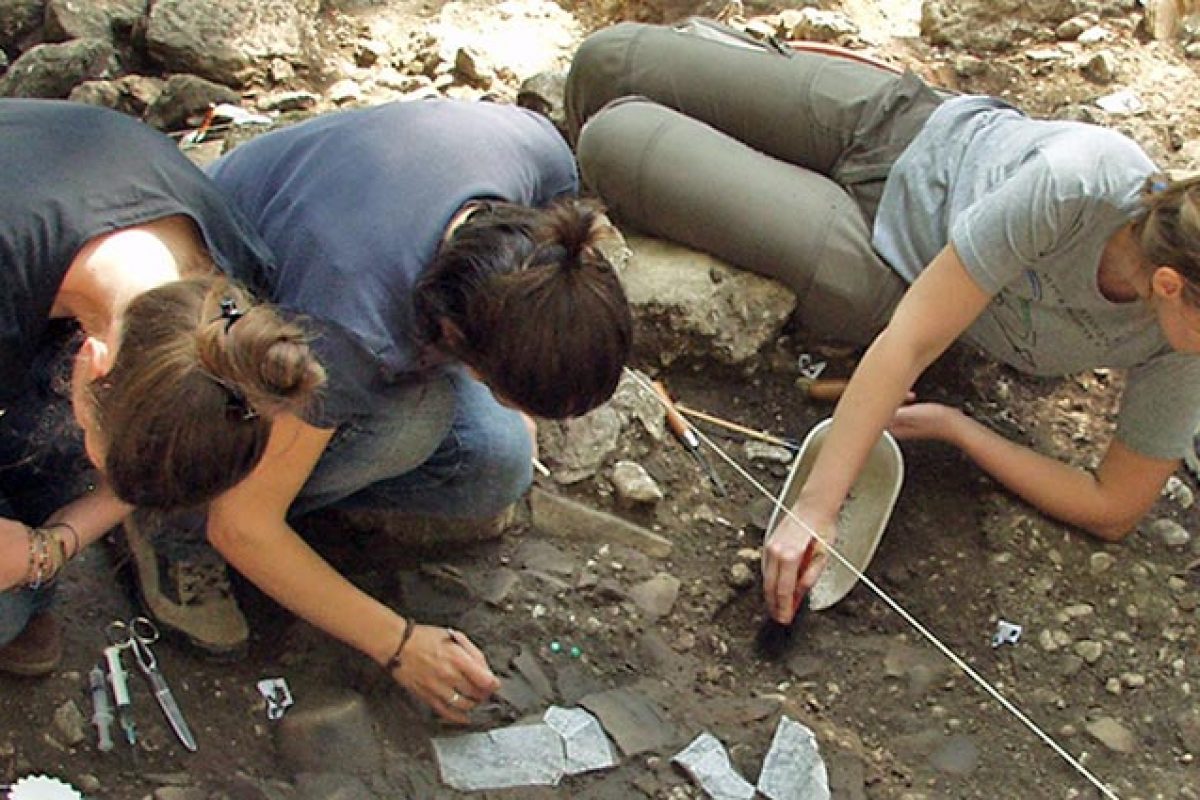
576	651
555	646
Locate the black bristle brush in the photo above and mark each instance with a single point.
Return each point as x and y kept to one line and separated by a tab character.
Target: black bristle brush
774	638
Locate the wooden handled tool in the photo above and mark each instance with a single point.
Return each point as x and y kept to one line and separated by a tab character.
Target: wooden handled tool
688	438
826	390
749	433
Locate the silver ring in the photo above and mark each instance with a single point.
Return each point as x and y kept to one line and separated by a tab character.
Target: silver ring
454	698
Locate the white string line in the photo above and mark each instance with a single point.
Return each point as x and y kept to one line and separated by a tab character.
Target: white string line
895	606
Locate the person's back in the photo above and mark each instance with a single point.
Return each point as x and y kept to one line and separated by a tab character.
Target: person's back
355	204
84	172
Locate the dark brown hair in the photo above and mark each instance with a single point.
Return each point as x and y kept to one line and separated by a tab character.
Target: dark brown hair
1169	234
536	308
200	370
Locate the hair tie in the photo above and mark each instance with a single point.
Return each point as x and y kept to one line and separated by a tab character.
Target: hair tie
229	312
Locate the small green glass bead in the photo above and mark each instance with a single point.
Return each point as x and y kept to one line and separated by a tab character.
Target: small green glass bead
555	647
576	651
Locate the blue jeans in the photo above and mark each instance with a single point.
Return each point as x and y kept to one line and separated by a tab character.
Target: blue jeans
443	448
18	607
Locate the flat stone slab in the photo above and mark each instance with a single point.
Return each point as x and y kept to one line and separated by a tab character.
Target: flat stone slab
568	741
634	721
560	516
521	755
793	769
706	761
585	746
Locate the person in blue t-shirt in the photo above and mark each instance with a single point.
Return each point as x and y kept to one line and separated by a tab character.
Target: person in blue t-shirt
907	218
448	282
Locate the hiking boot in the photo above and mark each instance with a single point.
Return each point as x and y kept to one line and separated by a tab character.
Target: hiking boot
37	650
190	597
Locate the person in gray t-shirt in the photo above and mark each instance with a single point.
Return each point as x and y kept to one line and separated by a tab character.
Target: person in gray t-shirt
908	218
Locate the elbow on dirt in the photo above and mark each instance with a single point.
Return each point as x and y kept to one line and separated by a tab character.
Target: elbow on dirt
1112	528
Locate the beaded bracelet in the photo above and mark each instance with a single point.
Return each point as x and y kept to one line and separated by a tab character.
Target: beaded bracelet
393	663
45	561
41	562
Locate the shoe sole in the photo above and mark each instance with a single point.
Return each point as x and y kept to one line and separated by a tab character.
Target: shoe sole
39	670
162	613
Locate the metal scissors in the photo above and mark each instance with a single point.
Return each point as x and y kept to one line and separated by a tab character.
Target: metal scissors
137	635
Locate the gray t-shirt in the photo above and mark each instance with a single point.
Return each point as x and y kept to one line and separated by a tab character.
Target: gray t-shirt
1029	206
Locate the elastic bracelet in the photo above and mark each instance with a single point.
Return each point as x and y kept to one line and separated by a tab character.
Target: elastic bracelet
393	663
74	536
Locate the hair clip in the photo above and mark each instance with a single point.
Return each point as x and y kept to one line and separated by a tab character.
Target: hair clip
237	406
230	312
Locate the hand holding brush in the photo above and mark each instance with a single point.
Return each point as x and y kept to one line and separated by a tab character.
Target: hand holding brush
774	638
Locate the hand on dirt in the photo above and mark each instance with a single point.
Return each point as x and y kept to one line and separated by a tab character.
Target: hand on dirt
925	421
787	574
446	671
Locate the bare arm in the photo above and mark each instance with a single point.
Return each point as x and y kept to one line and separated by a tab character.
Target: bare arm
936	309
91	516
1107	503
248	526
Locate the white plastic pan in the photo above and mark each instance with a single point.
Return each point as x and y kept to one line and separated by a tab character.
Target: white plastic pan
864	515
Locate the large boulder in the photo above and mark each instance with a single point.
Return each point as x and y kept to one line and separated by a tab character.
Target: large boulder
228	41
110	20
53	70
20	23
690	304
992	25
131	94
184	101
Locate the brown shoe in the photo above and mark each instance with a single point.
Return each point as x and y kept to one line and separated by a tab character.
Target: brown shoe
190	598
37	650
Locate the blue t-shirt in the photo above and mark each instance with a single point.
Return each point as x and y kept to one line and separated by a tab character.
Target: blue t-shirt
72	172
354	205
1029	206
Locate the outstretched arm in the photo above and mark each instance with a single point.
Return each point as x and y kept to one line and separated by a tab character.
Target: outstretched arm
89	517
248	526
1106	503
936	309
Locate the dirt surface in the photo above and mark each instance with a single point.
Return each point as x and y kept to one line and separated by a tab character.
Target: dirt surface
1107	664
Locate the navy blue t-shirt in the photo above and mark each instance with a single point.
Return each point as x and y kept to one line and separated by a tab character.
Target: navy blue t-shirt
71	172
354	205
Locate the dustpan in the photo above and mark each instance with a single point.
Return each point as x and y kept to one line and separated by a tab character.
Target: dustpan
864	515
